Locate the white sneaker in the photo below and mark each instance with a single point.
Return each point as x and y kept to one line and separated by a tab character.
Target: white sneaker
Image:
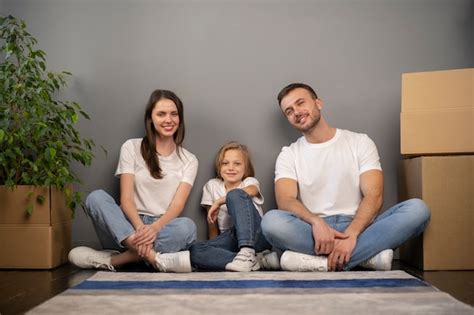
88	258
380	262
243	261
173	262
268	260
293	261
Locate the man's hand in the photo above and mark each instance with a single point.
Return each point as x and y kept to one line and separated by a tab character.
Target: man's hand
324	236
341	253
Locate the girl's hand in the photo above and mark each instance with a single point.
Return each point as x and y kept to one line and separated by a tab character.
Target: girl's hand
145	235
213	212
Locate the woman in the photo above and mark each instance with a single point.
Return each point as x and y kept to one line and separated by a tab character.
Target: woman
156	176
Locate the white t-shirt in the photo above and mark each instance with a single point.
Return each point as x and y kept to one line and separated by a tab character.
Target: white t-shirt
215	189
153	196
328	174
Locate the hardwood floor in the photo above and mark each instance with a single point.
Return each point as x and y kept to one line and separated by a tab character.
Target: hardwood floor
21	290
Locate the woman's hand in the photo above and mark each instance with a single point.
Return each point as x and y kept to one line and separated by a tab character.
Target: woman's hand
145	236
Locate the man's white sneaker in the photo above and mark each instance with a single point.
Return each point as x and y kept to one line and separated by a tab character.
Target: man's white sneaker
173	262
268	260
380	262
243	261
293	261
89	258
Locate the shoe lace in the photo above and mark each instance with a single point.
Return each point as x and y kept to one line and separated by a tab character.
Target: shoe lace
309	263
242	256
101	264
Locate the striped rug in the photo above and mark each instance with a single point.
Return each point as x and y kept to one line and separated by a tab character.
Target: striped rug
392	292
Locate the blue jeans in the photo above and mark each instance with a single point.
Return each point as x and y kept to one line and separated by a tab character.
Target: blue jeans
246	231
392	228
112	226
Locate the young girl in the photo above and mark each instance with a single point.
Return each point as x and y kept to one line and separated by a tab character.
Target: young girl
234	211
156	176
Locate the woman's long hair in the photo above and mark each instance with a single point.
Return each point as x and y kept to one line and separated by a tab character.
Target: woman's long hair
148	147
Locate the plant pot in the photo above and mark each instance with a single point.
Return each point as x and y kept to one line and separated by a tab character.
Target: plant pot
41	240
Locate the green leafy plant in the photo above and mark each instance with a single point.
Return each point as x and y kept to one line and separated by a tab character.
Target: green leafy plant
38	137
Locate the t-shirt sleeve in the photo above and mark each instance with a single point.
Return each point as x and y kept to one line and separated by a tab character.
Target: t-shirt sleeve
285	165
126	164
207	193
368	156
253	181
190	170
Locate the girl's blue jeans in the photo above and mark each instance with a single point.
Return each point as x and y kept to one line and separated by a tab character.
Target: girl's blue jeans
246	231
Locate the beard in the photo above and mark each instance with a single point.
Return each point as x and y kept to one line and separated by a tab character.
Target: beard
310	126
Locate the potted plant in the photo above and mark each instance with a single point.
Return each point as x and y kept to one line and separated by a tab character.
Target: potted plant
38	143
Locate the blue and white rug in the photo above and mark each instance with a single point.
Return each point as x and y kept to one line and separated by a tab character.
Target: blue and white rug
390	292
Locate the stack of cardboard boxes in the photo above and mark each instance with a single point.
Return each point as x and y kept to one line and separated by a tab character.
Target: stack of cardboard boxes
41	240
437	142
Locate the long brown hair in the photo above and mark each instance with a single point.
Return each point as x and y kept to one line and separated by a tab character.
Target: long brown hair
148	147
234	145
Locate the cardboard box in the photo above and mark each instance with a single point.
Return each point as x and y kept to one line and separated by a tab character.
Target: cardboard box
448	131
437	115
449	89
35	246
13	206
446	184
41	240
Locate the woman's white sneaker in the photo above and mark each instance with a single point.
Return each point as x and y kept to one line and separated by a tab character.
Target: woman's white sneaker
89	258
173	262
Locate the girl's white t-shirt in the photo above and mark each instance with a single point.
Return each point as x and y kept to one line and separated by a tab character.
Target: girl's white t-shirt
153	196
328	174
215	189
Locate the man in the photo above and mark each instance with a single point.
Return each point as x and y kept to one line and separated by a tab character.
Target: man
329	185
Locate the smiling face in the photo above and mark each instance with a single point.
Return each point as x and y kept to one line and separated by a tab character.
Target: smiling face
165	118
232	168
302	110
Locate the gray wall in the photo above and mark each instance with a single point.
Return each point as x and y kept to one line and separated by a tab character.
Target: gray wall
227	60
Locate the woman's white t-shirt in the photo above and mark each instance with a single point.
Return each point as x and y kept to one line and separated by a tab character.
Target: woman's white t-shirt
153	196
215	189
328	174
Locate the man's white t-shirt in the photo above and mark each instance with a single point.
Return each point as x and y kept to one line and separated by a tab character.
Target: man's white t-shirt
153	196
215	189
328	174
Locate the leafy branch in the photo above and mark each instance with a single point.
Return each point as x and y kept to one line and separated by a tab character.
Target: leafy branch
38	136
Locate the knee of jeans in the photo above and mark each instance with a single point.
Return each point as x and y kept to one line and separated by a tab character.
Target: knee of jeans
419	209
94	200
236	194
271	224
197	248
186	230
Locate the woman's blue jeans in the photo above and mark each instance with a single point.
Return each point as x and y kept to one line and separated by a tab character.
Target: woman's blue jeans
246	231
392	228
112	226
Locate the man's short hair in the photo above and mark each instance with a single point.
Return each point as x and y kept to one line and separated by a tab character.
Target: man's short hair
287	89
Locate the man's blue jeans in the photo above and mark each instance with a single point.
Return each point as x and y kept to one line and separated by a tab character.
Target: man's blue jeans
112	226
392	228
218	252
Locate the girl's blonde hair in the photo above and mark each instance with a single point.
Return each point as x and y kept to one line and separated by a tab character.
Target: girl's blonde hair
234	145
